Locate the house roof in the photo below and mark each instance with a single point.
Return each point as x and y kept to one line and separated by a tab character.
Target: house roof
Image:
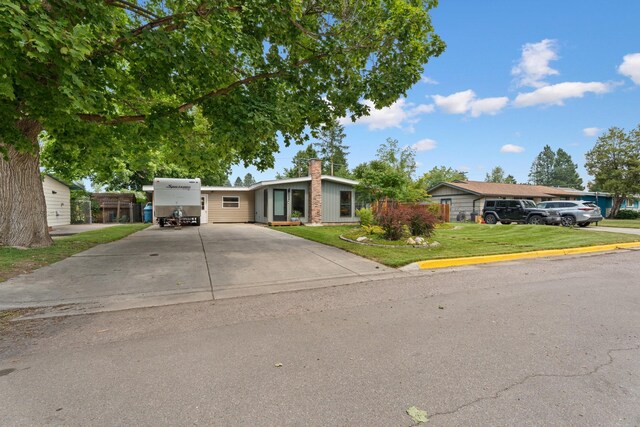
258	185
481	188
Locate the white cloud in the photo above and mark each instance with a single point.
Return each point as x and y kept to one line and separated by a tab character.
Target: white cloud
428	80
556	94
534	63
630	67
489	106
424	145
510	148
466	101
591	131
395	115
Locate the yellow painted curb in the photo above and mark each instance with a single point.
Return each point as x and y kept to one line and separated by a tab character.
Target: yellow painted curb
454	262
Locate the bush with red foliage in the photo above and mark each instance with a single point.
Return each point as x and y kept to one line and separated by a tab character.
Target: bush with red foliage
397	221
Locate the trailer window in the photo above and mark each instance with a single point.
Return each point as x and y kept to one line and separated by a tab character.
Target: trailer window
230	201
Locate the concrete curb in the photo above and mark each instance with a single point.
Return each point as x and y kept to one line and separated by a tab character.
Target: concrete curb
454	262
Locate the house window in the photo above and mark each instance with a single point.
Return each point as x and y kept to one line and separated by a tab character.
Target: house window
230	201
265	202
345	203
445	201
297	201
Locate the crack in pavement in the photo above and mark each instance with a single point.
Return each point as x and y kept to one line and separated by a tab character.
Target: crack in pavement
497	394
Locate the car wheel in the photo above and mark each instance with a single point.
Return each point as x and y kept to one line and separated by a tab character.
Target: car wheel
584	224
490	219
568	221
535	220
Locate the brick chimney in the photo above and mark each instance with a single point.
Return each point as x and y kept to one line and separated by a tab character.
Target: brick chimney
315	191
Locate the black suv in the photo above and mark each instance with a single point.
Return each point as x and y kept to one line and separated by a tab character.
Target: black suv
523	211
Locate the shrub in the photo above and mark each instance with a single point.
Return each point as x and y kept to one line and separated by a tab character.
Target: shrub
419	219
373	229
435	211
365	215
627	214
393	221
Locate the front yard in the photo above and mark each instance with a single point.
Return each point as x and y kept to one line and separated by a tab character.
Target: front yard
465	240
622	223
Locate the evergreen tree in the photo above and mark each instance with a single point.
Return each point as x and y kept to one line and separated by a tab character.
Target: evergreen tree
332	151
228	183
497	175
541	172
238	183
300	163
565	172
249	180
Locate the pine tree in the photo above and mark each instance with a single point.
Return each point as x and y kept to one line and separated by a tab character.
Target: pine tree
239	182
249	180
541	172
300	163
565	172
332	151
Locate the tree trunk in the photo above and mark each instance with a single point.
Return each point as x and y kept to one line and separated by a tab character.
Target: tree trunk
615	207
23	212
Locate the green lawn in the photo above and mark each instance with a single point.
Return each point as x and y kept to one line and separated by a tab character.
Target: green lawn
622	223
18	261
465	240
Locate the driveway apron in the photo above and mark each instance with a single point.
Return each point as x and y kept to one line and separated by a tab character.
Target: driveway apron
160	266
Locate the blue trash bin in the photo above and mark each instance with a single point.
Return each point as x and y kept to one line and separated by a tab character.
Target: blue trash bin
148	213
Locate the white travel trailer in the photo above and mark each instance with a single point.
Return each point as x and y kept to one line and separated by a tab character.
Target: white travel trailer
176	201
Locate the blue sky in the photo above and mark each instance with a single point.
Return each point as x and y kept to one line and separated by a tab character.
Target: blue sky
516	75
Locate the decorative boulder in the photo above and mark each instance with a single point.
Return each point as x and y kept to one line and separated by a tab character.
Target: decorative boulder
362	239
410	241
419	240
435	244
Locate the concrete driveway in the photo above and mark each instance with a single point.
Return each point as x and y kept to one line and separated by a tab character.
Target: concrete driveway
160	266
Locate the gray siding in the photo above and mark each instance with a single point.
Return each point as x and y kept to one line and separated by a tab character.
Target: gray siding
57	197
460	202
259	206
331	202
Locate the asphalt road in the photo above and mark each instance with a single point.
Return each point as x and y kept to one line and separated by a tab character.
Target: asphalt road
537	342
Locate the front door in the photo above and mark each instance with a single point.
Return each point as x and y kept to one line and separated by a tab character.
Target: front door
279	205
204	205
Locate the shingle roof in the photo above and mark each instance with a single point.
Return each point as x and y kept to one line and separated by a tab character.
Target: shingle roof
506	190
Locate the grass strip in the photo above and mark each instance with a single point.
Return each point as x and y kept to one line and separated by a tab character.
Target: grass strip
621	223
14	262
465	240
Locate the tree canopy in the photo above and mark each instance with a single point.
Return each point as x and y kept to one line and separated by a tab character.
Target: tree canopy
119	85
555	169
442	174
614	163
332	151
300	163
497	175
390	175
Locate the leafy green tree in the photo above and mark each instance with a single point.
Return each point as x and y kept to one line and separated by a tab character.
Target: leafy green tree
614	163
497	175
239	182
390	175
300	163
333	151
248	180
442	174
201	84
541	172
565	172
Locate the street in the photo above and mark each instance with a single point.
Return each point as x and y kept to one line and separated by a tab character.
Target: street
535	342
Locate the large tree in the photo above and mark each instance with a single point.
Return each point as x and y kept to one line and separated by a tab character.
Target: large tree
390	175
614	163
442	174
300	163
117	81
555	169
541	172
497	175
333	151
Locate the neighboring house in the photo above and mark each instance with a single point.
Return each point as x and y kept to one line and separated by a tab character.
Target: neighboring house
57	197
321	199
467	198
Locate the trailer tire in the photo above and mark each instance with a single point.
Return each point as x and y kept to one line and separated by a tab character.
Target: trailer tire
198	221
161	222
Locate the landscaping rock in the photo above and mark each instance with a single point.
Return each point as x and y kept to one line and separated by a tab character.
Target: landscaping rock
362	239
435	244
419	240
410	241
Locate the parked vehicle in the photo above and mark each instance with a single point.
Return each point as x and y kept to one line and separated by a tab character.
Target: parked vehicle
177	201
578	212
517	210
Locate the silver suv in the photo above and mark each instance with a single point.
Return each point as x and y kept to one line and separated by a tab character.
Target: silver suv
573	212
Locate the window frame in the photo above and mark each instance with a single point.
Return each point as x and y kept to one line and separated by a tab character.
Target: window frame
237	202
303	211
341	204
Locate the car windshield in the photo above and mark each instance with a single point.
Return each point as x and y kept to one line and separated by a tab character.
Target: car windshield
528	204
